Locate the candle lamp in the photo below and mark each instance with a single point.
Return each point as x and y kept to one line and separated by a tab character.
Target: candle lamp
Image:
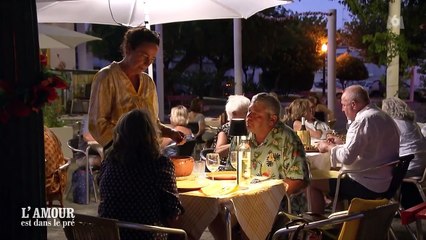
237	129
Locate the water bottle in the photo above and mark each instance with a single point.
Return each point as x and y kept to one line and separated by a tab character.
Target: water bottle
244	155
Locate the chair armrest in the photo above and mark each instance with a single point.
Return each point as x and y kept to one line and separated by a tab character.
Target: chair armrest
66	165
368	169
317	224
408	215
75	149
151	228
338	214
344	172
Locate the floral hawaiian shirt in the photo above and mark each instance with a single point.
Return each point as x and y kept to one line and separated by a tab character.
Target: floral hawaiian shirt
280	156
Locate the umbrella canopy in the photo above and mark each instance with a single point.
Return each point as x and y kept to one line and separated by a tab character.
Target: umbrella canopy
137	12
147	12
55	37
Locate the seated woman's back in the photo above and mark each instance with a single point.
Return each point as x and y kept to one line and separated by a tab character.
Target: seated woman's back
411	139
137	184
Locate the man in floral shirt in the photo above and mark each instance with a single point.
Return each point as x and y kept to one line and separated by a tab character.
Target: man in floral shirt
277	151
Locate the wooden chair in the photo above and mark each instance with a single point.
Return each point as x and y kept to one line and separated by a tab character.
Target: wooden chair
58	196
365	219
398	172
93	228
55	168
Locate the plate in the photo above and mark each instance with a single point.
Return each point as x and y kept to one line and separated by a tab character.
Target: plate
184	178
191	184
223	175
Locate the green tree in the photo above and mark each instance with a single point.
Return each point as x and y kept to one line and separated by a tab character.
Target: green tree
369	31
349	68
194	42
109	47
286	47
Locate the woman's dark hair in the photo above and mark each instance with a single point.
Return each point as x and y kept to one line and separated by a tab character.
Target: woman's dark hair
134	37
135	138
196	105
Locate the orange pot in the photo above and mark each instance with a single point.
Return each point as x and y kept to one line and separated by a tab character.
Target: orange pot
183	165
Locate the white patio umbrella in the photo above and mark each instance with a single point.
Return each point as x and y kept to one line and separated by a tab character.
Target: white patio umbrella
152	12
137	12
56	37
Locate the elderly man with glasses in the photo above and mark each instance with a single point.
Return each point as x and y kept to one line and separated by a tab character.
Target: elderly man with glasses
372	140
277	151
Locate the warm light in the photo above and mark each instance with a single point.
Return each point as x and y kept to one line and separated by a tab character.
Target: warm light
324	47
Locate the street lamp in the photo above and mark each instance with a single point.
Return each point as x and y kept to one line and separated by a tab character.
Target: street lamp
324	51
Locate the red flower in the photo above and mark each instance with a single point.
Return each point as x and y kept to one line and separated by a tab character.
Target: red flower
20	102
59	83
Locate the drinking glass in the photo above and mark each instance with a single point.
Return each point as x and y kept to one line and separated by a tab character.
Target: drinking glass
199	168
212	162
233	159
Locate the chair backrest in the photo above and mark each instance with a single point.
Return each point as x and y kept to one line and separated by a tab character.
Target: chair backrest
376	222
92	228
350	229
365	219
398	174
73	144
187	148
203	153
97	228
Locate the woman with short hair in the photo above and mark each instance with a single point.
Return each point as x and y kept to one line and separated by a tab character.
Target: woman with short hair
179	122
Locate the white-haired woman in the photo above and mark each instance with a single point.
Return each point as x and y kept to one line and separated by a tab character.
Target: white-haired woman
411	139
411	142
236	107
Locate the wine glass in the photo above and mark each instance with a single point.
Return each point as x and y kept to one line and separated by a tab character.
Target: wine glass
212	162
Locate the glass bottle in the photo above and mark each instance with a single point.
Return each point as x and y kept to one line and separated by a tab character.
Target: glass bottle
304	135
244	156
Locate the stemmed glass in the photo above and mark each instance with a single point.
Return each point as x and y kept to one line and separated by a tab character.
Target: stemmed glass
212	162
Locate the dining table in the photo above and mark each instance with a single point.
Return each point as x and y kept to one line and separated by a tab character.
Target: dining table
321	167
254	206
